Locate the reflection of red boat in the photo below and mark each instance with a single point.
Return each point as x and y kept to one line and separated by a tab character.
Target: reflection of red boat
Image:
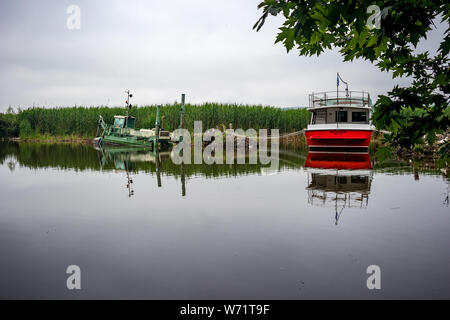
338	160
340	120
338	179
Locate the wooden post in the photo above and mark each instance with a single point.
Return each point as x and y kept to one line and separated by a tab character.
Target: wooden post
158	169
182	114
183	180
157	124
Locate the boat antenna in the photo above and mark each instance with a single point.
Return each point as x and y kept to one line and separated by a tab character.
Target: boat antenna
346	84
127	102
129	181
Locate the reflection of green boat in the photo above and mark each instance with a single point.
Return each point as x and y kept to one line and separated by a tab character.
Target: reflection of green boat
123	132
125	159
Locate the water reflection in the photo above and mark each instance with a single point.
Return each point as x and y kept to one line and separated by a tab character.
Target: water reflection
84	157
127	159
79	157
239	231
339	180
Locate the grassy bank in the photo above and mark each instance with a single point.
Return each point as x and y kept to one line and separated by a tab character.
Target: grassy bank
47	138
81	122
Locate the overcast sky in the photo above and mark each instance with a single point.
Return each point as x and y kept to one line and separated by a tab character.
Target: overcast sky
160	49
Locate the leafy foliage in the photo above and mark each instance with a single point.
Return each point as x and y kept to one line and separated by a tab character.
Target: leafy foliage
409	113
8	125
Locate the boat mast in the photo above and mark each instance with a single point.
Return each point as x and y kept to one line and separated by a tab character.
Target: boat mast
346	85
128	105
129	96
338	77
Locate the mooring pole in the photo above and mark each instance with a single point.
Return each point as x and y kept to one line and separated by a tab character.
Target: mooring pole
158	169
157	124
182	114
183	180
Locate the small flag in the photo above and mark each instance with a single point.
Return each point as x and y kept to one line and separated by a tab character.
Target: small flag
337	79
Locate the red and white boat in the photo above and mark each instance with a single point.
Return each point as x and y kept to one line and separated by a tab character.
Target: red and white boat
340	120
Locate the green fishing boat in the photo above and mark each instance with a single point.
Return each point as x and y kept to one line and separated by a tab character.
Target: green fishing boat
123	132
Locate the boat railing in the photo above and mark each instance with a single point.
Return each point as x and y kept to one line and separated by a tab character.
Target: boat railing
359	99
324	198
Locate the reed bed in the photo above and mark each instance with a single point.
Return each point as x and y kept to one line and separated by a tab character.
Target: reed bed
82	121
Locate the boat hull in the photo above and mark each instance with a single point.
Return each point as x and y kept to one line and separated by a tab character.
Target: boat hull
134	141
337	139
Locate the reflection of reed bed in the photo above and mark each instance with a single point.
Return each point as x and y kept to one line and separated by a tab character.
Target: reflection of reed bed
82	157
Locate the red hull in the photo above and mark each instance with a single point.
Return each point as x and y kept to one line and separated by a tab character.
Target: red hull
340	161
338	138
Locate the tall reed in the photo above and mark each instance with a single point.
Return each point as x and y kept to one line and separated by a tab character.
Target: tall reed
82	121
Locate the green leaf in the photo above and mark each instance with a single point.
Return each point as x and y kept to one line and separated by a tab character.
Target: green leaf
363	37
289	39
384	153
373	40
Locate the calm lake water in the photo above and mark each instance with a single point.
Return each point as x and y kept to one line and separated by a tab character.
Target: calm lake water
218	231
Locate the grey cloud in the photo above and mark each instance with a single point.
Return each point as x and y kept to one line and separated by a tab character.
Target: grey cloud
160	49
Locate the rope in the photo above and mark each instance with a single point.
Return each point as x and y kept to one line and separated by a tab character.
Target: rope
270	138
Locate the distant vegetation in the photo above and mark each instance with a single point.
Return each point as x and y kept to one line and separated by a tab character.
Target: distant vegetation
82	121
8	124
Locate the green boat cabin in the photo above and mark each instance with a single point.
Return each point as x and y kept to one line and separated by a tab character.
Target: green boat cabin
124	122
